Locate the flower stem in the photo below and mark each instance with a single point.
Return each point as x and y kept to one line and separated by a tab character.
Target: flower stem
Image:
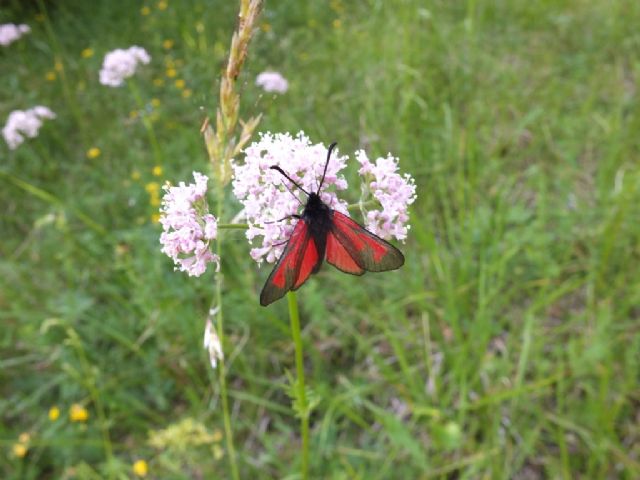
222	371
232	226
301	393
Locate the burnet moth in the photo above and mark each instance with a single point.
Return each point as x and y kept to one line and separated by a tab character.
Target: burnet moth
323	233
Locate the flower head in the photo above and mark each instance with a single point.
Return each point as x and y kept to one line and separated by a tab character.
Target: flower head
188	227
93	152
24	123
20	449
121	64
272	82
268	198
77	413
140	468
212	342
393	192
9	33
54	413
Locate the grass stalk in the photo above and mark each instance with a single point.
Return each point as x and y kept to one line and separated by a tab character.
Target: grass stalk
301	395
146	121
221	147
222	371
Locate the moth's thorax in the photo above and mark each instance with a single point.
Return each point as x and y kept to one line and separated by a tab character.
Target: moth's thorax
317	215
315	209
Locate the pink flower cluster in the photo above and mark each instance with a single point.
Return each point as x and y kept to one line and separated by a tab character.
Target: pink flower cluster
392	191
272	82
268	198
188	227
9	33
120	64
24	123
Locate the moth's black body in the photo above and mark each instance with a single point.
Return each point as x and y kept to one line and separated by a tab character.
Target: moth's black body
317	215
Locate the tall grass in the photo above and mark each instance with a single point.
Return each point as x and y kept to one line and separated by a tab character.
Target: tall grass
507	347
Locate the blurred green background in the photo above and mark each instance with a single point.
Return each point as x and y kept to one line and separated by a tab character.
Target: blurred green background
507	347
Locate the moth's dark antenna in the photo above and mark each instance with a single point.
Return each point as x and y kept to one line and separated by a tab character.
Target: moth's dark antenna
275	167
331	147
292	194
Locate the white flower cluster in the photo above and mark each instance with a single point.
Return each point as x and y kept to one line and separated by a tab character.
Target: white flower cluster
268	198
188	227
272	82
120	64
24	123
393	192
9	33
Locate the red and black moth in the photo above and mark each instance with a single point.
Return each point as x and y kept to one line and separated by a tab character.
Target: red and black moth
323	233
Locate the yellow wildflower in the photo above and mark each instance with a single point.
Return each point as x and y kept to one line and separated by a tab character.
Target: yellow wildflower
140	468
152	187
157	171
266	27
20	450
180	83
77	413
155	102
54	413
93	152
155	218
167	44
162	5
135	175
171	72
87	53
24	437
58	67
186	93
145	11
50	76
133	114
158	82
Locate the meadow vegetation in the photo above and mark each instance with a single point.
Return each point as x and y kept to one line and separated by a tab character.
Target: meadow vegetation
508	346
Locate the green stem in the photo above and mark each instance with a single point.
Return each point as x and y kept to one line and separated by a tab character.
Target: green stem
146	121
222	371
358	206
302	394
232	226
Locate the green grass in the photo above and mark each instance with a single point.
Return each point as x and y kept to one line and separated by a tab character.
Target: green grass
507	347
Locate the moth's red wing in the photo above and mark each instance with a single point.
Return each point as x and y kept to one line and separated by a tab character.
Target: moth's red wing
353	249
296	263
339	257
